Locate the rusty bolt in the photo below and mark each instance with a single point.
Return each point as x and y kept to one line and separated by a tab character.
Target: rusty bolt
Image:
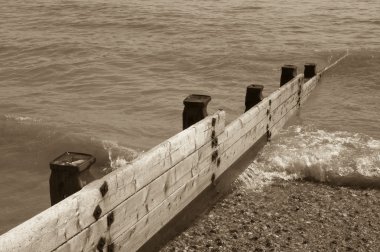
213	134
111	247
218	162
214	155
269	134
214	142
213	179
213	122
101	243
270	102
267	111
104	188
97	212
110	219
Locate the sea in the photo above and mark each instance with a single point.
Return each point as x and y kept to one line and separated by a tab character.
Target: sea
109	78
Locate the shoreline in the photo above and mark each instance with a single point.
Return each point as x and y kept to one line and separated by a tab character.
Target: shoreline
287	216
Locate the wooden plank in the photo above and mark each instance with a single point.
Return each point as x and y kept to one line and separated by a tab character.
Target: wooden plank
308	87
131	179
242	125
232	149
142	202
135	207
58	224
136	236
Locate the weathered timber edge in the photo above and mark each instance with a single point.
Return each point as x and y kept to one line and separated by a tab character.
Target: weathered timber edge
124	209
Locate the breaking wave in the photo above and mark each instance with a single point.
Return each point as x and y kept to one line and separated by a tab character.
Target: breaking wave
118	156
303	152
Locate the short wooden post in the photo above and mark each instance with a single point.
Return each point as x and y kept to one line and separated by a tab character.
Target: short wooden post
195	109
310	70
253	96
288	72
69	173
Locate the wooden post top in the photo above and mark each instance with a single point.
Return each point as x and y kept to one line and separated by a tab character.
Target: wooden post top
310	70
72	162
288	72
196	99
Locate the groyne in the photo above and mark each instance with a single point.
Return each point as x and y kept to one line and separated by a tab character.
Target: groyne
125	208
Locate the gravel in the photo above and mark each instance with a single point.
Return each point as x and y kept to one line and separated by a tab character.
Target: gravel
287	216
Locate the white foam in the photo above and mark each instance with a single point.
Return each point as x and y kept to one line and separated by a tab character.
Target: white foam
119	156
21	118
302	152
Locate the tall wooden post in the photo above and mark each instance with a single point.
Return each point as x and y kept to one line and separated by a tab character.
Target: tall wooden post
195	109
69	173
288	72
310	70
253	96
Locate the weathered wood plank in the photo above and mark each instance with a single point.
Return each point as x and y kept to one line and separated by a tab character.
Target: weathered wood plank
240	126
231	149
142	202
308	87
58	224
136	236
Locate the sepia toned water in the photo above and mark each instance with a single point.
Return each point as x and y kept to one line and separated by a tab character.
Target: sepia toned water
108	78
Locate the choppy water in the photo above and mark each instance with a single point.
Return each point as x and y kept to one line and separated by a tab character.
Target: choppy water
108	78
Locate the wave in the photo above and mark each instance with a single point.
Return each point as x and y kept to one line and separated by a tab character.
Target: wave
303	152
31	143
20	118
118	156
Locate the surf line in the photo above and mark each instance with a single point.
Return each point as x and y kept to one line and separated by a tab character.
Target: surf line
124	209
335	62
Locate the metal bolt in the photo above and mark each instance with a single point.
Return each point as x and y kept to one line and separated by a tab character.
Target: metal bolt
214	155
213	134
269	134
110	219
101	243
213	179
218	162
214	142
104	188
97	212
111	247
213	122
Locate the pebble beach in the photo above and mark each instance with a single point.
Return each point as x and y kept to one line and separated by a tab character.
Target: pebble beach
287	216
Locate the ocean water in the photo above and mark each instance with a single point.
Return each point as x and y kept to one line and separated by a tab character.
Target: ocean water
108	78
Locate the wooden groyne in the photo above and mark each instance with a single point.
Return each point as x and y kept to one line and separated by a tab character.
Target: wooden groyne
125	208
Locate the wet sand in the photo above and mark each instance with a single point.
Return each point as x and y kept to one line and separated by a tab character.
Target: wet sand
287	216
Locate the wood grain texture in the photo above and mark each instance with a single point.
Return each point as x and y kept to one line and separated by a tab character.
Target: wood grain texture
58	224
154	188
237	138
134	208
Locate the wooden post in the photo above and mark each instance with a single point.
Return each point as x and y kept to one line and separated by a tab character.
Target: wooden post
253	96
69	173
288	72
310	70
195	109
